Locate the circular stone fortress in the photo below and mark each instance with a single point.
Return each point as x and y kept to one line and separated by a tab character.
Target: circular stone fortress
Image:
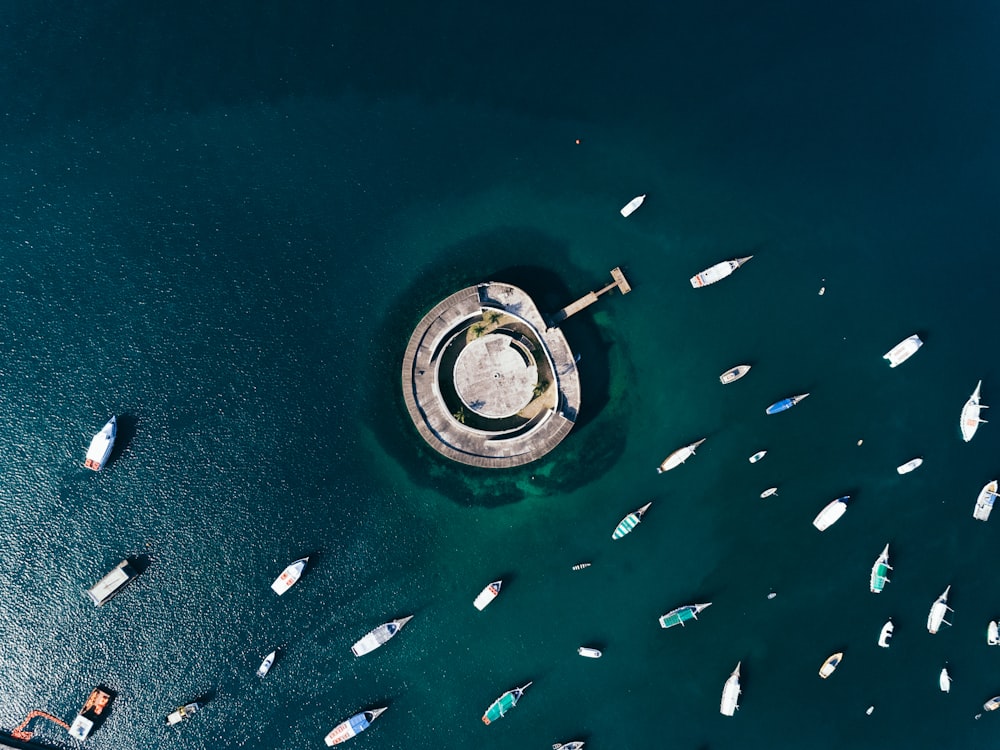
487	381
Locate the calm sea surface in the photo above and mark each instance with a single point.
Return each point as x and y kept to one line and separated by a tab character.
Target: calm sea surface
221	222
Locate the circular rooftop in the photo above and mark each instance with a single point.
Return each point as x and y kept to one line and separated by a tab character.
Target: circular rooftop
487	382
495	376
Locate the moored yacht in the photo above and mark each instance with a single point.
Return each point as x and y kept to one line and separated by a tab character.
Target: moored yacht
487	595
632	205
880	571
499	708
984	503
769	492
785	404
265	666
379	636
181	713
731	693
909	466
734	374
903	350
682	614
757	456
112	583
717	272
992	634
831	513
970	420
289	576
944	681
938	611
101	445
679	456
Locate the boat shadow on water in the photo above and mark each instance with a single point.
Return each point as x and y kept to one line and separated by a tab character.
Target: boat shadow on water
127	426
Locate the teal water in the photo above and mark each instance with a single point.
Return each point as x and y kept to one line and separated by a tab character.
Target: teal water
222	225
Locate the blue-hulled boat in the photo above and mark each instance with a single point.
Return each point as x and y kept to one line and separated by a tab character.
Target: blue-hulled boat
785	403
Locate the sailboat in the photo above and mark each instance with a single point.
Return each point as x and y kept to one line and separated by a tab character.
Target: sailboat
769	492
630	522
679	456
731	693
717	272
785	404
734	374
970	420
499	708
379	636
682	614
937	613
880	571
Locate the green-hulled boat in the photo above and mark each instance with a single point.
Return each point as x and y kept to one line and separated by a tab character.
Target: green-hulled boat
499	708
880	572
630	522
682	614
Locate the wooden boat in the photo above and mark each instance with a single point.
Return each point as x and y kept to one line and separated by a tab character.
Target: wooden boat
970	420
679	456
289	576
903	350
574	745
682	614
885	634
89	715
630	521
831	513
353	727
880	571
379	636
581	566
984	503
831	663
183	712
770	491
909	466
731	376
937	613
717	272
101	445
944	681
499	708
757	456
632	205
487	595
785	404
265	666
992	636
590	653
731	693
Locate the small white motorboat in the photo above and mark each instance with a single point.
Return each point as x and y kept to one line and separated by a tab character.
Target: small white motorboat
487	595
869	711
831	663
903	350
289	576
265	665
183	712
992	704
632	205
590	653
944	681
379	636
101	445
769	492
909	466
734	374
831	513
885	634
757	456
984	503
992	637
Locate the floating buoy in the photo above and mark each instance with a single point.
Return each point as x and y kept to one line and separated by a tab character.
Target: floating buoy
822	291
771	595
860	442
870	709
577	141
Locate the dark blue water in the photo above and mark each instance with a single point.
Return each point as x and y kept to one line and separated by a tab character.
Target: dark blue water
221	224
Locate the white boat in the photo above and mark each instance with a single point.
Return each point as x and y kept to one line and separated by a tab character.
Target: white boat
734	374
111	583
944	681
984	503
678	457
101	445
183	712
909	466
831	663
831	513
937	613
289	576
378	636
574	745
717	272
632	205
757	456
590	653
581	566
880	572
871	709
992	636
885	634
769	492
903	350
487	595
731	693
992	704
970	420
265	666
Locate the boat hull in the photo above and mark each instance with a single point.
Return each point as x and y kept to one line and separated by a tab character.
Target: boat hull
909	466
487	595
731	376
379	636
830	665
984	503
289	576
717	272
352	727
903	350
831	513
629	208
970	420
101	445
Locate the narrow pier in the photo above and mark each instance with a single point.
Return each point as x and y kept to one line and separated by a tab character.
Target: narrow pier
618	282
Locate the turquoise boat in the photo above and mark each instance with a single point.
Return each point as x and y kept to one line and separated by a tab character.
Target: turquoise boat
880	572
499	708
682	614
630	522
